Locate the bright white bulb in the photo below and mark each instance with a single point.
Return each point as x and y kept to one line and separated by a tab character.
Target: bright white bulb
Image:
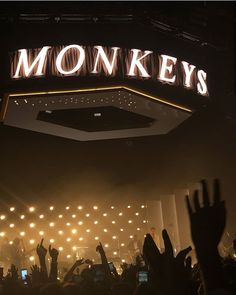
31	209
12	209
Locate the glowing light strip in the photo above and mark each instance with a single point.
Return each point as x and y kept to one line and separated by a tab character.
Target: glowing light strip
102	89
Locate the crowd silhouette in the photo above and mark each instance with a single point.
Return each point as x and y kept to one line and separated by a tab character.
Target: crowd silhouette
155	272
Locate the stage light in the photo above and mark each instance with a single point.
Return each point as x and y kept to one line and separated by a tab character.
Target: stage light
60	248
67	208
120	214
51	208
68	224
81	239
142	206
22	233
104	214
105	230
96	238
88	230
80	222
129	221
31	209
32	225
121	229
22	217
41	233
114	253
31	242
113	222
68	239
31	258
51	241
10	242
60	216
80	207
87	215
129	207
2	234
114	237
68	256
144	221
51	224
73	216
2	217
112	207
11	225
41	216
137	214
138	228
74	248
95	207
122	244
131	237
74	231
95	222
106	245
60	232
12	209
123	260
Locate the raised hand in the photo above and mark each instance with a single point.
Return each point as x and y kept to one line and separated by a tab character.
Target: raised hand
171	274
207	220
53	253
36	275
14	272
100	249
41	250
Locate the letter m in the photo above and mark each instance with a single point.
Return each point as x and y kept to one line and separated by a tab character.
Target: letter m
27	69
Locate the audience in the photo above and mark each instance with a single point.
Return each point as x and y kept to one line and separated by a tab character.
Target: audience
167	273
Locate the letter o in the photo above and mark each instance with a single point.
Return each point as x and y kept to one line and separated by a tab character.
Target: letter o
79	63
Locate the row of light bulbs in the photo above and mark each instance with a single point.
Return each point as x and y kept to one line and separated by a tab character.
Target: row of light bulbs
51	208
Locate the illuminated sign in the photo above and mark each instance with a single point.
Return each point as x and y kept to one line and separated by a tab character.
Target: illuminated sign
77	60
